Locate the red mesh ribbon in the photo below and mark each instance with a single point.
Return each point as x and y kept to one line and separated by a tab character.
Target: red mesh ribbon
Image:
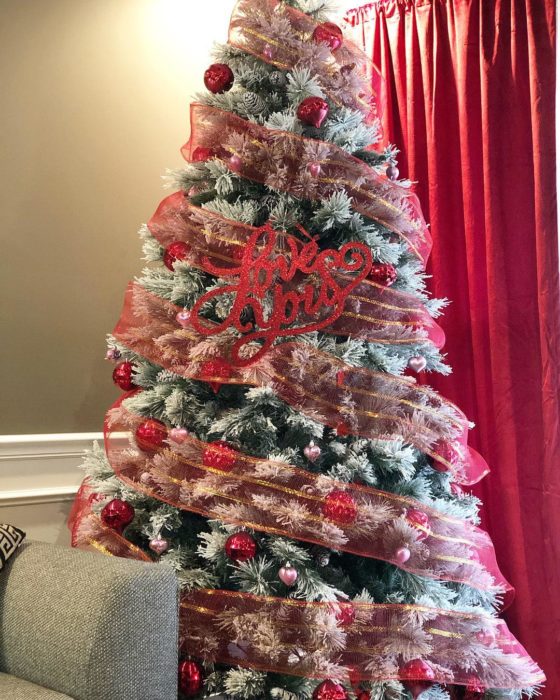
321	640
278	498
283	37
280	160
353	400
371	311
89	532
306	639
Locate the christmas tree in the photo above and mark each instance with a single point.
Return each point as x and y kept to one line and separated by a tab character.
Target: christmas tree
276	443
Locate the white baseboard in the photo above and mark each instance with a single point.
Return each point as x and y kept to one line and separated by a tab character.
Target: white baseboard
38	469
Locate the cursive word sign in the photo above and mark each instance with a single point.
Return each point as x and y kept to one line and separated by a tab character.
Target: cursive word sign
291	287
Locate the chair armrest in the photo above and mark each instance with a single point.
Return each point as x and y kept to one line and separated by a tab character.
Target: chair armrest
88	625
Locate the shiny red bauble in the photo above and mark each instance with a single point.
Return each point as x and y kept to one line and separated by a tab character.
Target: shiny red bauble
419	520
175	251
313	111
445	456
340	507
345	614
191	678
328	33
212	371
201	154
342	428
475	686
241	547
383	273
117	514
219	455
122	376
218	78
417	676
330	690
150	435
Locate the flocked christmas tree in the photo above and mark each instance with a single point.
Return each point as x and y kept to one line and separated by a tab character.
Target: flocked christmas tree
274	445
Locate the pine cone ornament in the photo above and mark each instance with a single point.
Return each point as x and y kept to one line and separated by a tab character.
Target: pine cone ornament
252	103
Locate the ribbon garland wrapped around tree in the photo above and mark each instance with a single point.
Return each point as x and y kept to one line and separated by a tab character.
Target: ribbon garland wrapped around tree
258	257
284	37
346	640
278	498
284	161
350	399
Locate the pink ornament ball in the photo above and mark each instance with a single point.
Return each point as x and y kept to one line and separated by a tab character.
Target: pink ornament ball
402	555
288	575
312	452
159	545
314	169
178	435
183	318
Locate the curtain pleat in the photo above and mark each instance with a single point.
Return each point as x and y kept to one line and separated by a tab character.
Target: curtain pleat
470	102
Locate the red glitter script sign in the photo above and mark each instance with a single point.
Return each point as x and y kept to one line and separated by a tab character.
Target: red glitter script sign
291	286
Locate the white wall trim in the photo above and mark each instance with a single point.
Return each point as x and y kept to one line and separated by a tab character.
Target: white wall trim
37	469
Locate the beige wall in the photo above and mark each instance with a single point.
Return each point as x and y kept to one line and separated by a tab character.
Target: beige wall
93	109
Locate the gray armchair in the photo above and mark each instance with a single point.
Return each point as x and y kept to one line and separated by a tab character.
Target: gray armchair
82	626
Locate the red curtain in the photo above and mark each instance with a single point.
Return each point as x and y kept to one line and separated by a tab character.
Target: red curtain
470	88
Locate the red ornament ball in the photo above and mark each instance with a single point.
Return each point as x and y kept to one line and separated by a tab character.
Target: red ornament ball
363	695
444	450
219	455
117	514
212	371
417	670
342	428
201	154
218	78
330	690
313	111
241	547
474	685
383	273
122	376
175	251
340	507
417	676
328	33
150	435
420	521
345	614
191	678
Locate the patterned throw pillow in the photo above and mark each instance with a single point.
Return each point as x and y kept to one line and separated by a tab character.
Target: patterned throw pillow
10	539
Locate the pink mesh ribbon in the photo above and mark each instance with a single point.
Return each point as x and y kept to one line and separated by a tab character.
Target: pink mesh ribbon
278	498
321	640
218	245
283	37
350	399
280	160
